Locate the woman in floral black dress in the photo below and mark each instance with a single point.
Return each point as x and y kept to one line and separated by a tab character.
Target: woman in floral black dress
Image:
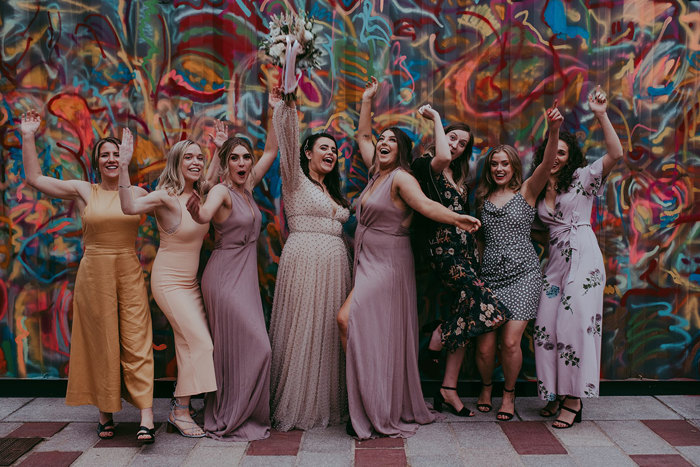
442	174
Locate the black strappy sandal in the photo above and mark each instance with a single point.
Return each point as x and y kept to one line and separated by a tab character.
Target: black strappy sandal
485	408
145	431
438	402
505	416
107	428
545	412
577	418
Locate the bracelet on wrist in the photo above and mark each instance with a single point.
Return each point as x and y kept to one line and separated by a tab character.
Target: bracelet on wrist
124	186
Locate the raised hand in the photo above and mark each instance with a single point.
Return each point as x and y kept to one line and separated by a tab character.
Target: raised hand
426	111
468	223
370	89
274	96
554	117
193	204
29	123
126	149
220	133
598	101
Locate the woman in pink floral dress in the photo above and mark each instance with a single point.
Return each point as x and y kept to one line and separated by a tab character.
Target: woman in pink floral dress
569	318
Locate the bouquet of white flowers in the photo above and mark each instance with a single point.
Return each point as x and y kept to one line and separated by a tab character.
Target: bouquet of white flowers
299	28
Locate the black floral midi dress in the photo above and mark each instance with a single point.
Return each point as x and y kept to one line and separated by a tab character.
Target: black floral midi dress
452	255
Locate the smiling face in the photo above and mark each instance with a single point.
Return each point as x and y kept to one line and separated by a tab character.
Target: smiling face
192	164
108	161
240	163
387	149
322	156
458	141
562	157
501	168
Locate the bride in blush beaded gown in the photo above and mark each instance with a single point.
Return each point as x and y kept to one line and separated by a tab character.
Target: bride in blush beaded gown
313	280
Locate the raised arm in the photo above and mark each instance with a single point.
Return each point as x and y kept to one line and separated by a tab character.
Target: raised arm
534	185
64	189
442	157
286	126
270	152
134	200
204	213
219	138
598	102
410	192
364	127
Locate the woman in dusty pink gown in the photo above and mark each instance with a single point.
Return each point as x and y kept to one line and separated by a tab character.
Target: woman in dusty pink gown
240	409
380	318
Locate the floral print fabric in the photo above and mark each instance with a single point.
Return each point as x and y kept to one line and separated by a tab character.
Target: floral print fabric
452	252
569	319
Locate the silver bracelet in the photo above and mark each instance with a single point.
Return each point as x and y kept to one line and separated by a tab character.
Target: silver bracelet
124	186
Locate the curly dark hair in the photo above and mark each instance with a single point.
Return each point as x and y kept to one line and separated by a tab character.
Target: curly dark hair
332	179
566	174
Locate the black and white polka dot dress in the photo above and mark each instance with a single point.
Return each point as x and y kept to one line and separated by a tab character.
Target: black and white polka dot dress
510	265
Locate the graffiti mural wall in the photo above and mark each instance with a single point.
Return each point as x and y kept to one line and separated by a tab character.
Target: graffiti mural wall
167	69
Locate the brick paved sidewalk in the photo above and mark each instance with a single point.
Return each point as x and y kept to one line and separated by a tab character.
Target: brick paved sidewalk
616	431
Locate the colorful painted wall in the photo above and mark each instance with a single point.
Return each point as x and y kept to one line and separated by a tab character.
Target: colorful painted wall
168	68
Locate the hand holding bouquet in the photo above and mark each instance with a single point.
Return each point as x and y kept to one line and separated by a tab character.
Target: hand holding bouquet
291	44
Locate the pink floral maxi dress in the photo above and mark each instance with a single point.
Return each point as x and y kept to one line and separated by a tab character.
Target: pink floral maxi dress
569	319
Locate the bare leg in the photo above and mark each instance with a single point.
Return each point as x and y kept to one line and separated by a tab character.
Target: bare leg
147	417
342	319
511	334
485	361
453	364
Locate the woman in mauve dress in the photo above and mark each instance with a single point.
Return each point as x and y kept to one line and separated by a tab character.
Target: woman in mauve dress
240	409
380	317
569	318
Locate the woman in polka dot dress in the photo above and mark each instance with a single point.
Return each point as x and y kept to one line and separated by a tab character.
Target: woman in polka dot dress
313	280
510	266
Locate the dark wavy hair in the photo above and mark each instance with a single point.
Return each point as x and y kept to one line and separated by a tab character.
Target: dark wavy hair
566	174
95	155
332	179
405	150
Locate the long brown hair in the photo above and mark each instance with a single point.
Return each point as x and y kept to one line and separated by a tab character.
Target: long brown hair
487	184
225	153
404	150
95	155
332	178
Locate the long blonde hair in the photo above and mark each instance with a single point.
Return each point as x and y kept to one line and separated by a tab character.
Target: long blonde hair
171	179
487	184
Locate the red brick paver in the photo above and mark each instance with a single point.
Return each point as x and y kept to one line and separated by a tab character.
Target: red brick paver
52	458
379	443
37	430
532	438
675	432
280	443
380	458
660	460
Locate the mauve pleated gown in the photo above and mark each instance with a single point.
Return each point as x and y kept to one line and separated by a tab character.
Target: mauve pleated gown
384	391
240	409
